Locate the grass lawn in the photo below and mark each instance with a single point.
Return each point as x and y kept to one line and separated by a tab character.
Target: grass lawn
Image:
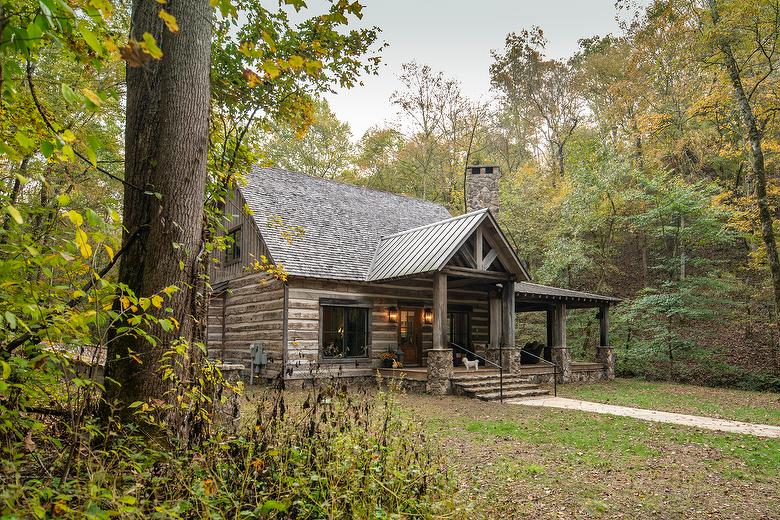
515	461
738	405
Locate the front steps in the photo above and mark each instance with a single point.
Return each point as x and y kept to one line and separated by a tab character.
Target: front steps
487	386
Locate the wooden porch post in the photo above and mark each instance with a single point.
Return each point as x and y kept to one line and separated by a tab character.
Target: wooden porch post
440	365
495	319
604	326
440	311
508	314
510	354
604	353
550	335
561	355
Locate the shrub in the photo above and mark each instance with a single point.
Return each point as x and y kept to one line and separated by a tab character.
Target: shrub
327	454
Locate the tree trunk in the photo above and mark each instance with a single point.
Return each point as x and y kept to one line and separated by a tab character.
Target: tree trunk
561	159
757	165
681	240
166	137
645	275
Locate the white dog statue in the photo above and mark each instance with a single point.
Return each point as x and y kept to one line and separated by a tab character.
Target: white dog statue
468	364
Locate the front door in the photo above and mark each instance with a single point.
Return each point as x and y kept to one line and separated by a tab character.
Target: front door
410	335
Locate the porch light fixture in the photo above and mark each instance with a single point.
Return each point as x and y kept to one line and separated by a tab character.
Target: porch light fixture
428	315
392	314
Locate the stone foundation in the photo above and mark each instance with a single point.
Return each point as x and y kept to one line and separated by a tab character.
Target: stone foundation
587	375
440	370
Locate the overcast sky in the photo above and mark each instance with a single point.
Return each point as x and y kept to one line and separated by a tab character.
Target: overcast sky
456	36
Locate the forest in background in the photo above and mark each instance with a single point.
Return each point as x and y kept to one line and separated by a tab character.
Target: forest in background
626	170
643	166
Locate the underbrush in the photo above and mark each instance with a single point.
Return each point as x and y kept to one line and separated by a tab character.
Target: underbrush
331	454
695	367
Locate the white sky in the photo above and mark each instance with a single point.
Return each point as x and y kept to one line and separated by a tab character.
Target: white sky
456	37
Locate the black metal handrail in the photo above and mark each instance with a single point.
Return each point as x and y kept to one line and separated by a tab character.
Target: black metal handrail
487	361
555	368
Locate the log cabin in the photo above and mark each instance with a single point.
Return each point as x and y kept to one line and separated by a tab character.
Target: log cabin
326	279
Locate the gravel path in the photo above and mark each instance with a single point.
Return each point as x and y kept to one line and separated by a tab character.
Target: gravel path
696	421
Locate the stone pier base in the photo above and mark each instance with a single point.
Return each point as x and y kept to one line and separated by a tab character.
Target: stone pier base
561	356
606	355
510	358
440	370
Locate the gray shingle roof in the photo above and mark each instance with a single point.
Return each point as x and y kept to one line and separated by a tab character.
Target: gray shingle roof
343	224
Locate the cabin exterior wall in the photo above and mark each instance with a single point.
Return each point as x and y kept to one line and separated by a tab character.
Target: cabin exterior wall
305	298
250	309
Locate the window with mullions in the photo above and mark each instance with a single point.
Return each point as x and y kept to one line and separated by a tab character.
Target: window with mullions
344	332
233	246
458	324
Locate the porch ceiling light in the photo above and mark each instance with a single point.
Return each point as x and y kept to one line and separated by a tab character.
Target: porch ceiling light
392	314
428	315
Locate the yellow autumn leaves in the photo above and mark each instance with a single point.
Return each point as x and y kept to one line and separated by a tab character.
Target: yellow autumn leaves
170	20
81	240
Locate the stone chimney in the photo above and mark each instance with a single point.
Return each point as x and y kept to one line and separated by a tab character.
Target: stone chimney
482	188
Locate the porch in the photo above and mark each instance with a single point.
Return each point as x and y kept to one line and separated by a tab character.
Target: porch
469	254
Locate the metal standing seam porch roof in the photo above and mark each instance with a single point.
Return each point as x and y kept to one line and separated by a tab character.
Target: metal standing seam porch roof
538	292
428	248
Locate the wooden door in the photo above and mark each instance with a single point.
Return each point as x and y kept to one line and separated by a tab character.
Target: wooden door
410	335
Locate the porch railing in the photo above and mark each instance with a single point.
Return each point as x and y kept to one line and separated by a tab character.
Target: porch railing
488	362
555	368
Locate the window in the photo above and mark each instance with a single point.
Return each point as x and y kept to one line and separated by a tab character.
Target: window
344	332
233	250
458	324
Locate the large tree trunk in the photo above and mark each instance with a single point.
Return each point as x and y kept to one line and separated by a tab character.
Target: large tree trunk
165	154
756	163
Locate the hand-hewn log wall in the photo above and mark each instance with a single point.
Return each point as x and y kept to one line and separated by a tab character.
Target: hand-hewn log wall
303	332
250	310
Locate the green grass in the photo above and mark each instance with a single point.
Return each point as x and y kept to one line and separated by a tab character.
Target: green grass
738	405
517	461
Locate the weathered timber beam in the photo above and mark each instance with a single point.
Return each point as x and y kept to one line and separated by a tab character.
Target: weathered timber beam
494	310
478	247
489	259
604	326
508	314
476	273
440	311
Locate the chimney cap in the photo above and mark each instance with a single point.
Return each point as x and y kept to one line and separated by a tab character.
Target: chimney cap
477	169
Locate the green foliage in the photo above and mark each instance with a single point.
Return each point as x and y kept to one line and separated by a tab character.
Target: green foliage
334	455
66	451
324	151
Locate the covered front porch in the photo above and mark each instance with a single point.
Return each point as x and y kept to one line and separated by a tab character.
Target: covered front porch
509	302
469	254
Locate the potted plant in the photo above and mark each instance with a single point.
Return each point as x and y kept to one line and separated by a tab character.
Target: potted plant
388	359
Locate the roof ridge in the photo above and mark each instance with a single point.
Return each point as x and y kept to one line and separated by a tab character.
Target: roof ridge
347	184
437	223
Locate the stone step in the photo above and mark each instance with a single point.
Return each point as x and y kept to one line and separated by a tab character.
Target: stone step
486	377
536	369
486	387
511	394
